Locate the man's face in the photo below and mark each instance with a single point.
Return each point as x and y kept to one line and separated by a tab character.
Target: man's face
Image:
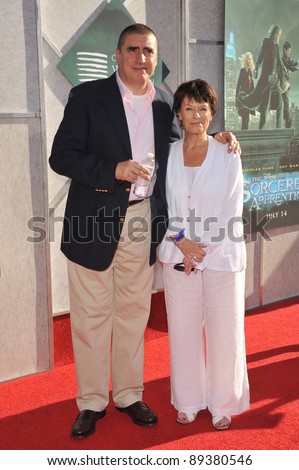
137	61
288	51
277	37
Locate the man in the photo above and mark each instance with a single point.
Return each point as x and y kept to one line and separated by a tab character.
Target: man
267	92
108	127
290	65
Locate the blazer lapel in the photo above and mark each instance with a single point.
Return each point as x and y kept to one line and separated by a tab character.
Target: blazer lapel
158	123
160	136
112	101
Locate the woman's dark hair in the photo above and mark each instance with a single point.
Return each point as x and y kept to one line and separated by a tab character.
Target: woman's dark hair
198	90
137	28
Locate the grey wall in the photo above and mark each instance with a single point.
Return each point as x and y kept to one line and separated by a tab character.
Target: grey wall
25	331
33	93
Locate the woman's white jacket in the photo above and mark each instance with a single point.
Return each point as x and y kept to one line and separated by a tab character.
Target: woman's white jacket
210	211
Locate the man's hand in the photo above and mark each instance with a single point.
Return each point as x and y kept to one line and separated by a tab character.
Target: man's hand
129	170
233	144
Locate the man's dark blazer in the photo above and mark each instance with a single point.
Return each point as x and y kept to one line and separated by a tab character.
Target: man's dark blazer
270	61
91	140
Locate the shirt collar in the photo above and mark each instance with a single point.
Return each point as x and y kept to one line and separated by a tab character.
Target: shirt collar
127	94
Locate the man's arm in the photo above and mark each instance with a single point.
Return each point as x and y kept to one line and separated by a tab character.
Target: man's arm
230	138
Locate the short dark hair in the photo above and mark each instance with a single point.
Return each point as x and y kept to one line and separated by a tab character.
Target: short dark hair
136	28
199	90
287	45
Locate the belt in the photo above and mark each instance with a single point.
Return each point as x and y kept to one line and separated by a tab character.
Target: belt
135	201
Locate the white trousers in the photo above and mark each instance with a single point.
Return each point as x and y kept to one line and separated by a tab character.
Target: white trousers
109	313
205	313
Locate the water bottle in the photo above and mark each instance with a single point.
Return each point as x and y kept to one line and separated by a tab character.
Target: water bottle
142	186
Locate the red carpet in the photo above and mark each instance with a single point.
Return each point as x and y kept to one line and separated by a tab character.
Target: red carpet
37	412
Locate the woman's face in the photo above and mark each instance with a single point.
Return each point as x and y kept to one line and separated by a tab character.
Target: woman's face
249	59
195	116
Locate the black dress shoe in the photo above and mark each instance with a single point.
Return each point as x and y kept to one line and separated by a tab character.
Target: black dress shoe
85	423
140	414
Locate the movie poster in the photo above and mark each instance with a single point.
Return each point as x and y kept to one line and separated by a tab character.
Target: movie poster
262	106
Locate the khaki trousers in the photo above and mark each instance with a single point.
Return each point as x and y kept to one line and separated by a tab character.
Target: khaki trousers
109	313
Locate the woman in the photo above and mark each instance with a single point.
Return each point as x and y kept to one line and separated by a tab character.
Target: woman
205	305
245	84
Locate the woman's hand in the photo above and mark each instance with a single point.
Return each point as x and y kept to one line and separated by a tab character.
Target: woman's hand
193	253
230	138
189	267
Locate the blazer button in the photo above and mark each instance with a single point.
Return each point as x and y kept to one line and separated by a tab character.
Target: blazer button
122	219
